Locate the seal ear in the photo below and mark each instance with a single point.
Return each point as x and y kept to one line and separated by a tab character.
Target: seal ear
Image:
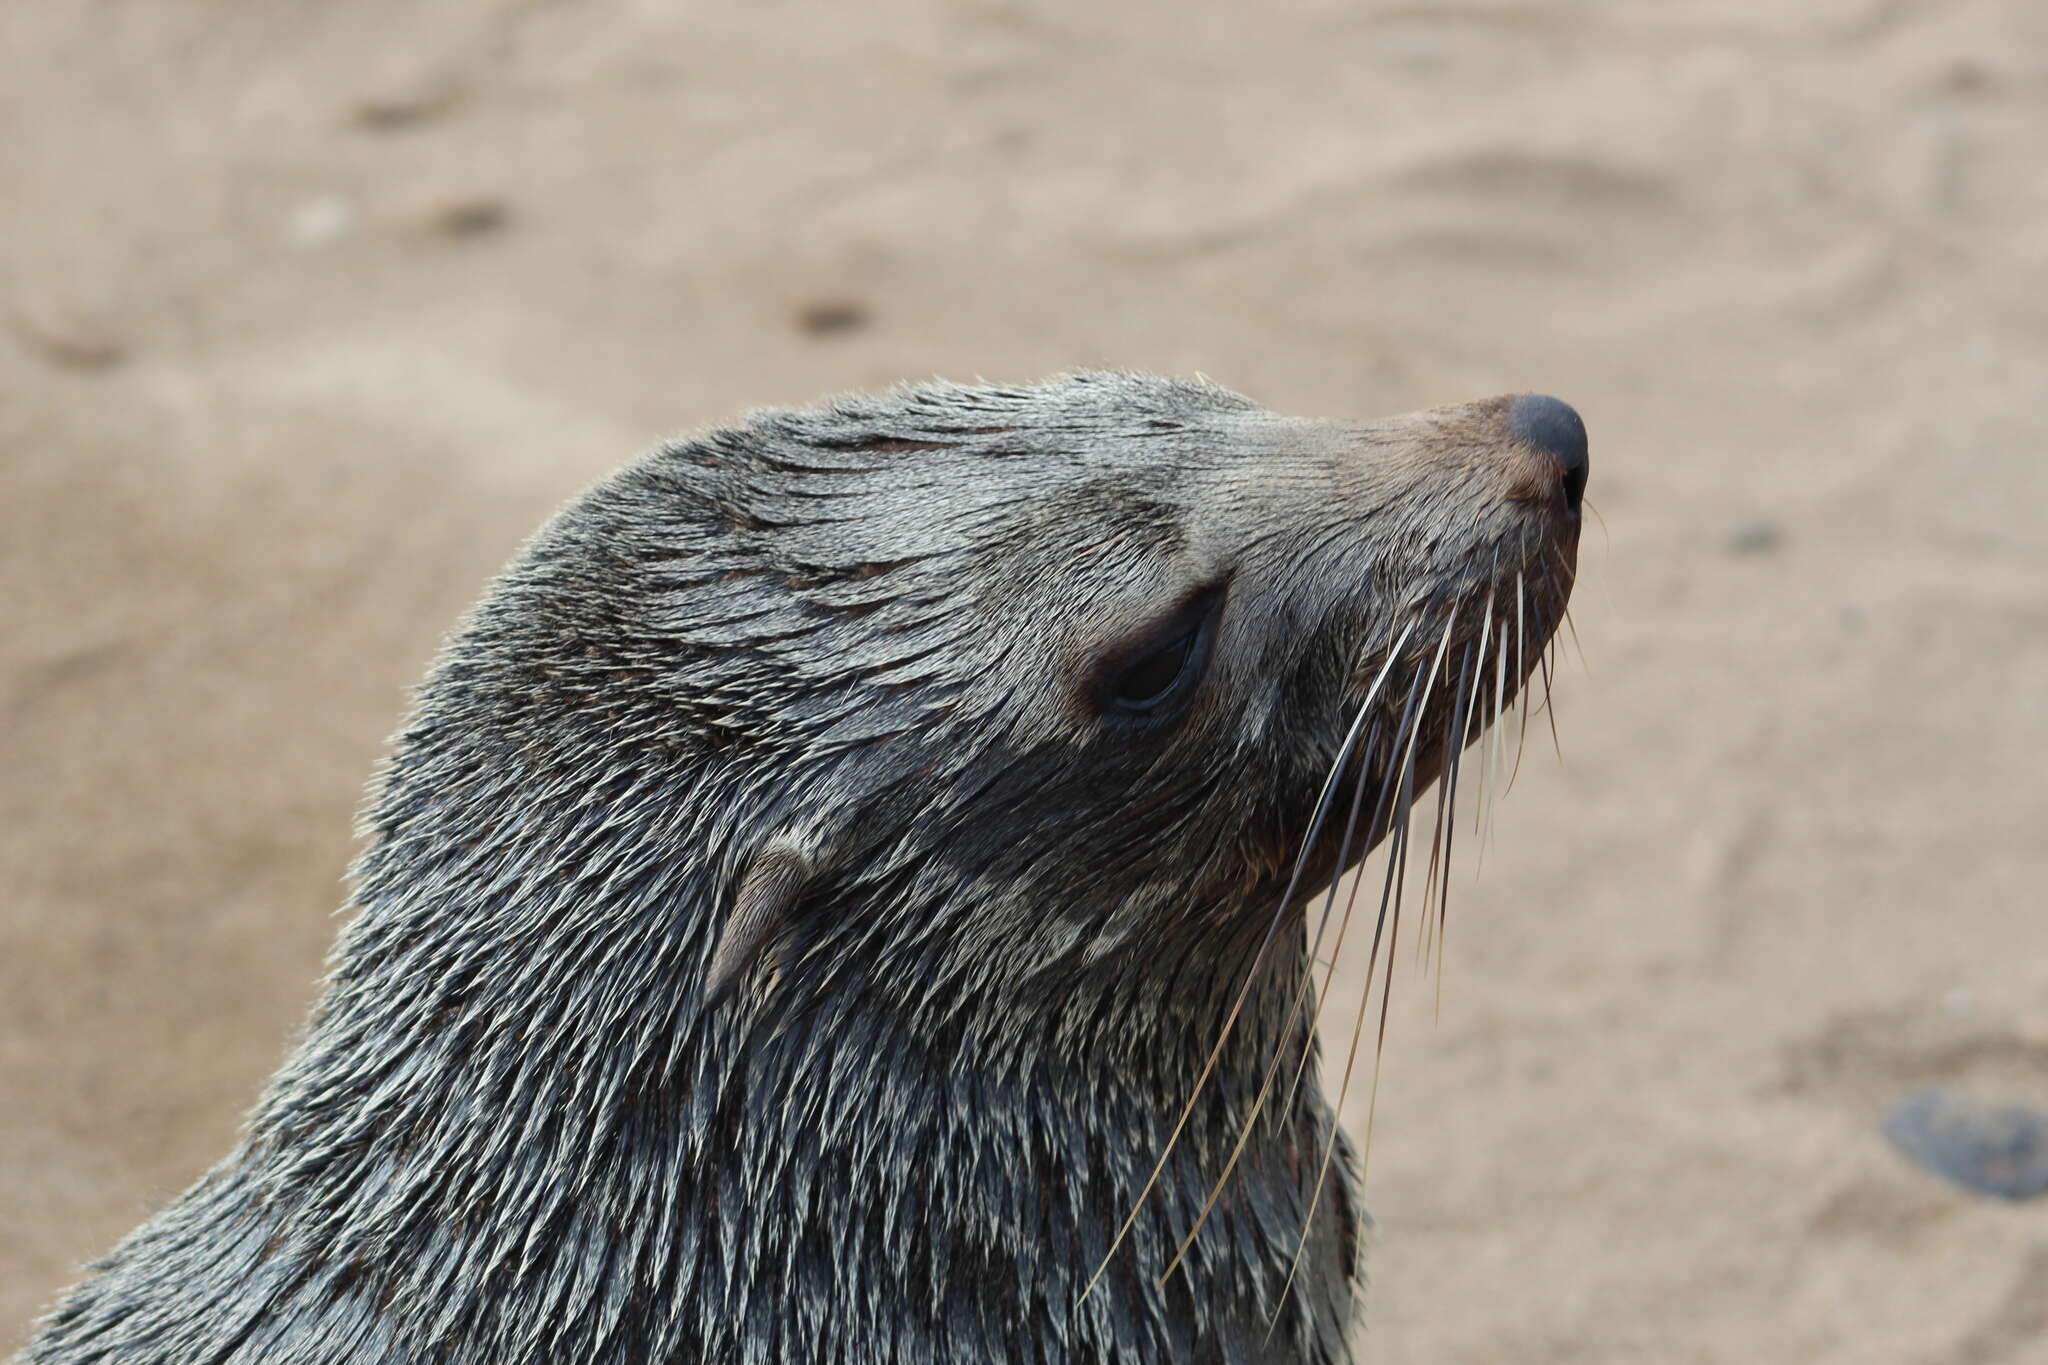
774	879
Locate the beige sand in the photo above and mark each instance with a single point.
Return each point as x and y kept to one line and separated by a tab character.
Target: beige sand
307	320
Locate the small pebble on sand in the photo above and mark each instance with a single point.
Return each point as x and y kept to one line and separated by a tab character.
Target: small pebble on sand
2000	1152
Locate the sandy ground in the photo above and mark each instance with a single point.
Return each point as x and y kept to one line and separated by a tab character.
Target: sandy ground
310	313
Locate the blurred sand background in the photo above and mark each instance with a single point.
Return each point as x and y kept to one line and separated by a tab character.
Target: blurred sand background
310	313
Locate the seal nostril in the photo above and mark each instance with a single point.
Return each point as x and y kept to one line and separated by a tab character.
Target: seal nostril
1550	425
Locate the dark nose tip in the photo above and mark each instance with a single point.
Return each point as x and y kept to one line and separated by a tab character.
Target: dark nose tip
1552	427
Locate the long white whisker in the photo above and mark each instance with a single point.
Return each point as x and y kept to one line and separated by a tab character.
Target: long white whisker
1521	684
1398	858
1244	992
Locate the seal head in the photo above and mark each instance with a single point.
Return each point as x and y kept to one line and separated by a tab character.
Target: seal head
817	876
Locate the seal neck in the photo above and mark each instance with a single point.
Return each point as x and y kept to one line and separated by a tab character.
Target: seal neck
509	1106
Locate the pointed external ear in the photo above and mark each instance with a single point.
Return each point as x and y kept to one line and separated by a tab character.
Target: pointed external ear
777	875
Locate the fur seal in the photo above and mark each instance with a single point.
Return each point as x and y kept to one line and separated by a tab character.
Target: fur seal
844	895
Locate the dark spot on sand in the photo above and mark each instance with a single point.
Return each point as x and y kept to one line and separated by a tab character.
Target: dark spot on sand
405	104
470	217
70	340
833	317
1758	537
1998	1151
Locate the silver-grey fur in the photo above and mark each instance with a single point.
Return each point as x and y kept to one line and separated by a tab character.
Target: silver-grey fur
859	645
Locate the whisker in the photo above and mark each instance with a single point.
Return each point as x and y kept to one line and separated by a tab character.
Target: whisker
1389	929
1401	875
1606	551
1371	746
1343	755
1436	664
1545	626
1472	712
1322	999
1398	869
1565	572
1437	884
1344	752
1315	829
1476	712
1383	807
1454	752
1466	705
1216	1187
1493	765
1572	628
1549	714
1208	1064
1564	608
1521	688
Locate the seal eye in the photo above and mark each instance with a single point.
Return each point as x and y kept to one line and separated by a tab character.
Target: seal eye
1145	683
1145	680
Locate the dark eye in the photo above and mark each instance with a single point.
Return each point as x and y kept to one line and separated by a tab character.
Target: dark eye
1145	683
1162	668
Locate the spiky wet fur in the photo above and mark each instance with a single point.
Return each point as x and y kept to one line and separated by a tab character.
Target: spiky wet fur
514	1132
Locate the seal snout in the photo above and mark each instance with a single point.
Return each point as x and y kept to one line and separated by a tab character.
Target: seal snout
1551	426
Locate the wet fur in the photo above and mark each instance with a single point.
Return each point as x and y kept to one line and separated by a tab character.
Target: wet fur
855	644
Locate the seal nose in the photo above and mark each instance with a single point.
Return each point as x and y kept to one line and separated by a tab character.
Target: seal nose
1550	425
